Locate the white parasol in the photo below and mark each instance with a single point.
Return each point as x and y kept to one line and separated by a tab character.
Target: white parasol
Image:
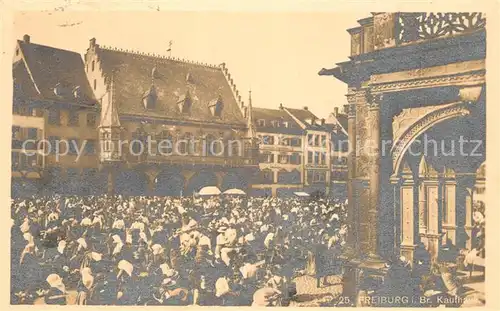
210	190
235	191
301	194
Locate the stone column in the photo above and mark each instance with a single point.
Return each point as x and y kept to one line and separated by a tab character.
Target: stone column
374	173
351	172
396	192
449	207
432	194
468	217
407	219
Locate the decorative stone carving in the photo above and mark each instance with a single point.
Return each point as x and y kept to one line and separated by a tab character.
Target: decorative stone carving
470	94
466	79
383	31
427	26
407	117
356	43
435	116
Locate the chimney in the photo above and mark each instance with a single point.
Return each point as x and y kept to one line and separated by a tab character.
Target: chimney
306	108
336	111
26	38
281	106
323	121
92	42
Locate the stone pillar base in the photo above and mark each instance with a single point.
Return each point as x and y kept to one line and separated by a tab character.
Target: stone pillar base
434	242
408	252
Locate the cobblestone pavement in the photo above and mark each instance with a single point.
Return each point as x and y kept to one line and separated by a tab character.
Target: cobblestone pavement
308	295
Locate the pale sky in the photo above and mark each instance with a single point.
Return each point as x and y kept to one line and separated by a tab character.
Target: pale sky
276	54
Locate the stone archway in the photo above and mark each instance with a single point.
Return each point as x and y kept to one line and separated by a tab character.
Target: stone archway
200	180
234	179
413	122
131	182
169	183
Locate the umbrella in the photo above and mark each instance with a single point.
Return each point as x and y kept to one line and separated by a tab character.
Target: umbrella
235	191
301	194
210	190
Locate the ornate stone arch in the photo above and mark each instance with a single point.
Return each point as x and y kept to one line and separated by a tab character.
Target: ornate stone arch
426	117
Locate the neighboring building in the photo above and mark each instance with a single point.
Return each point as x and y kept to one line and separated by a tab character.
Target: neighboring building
52	101
281	153
294	152
316	150
337	123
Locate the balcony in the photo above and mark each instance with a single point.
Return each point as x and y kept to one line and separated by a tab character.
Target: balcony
386	30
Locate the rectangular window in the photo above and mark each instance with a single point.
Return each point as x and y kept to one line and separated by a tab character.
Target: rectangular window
316	157
296	142
268	140
54	116
322	158
91	119
283	159
295	158
32	133
316	140
310	139
323	140
309	157
261	123
73	118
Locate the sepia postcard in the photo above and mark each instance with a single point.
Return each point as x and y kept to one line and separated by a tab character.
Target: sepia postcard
248	158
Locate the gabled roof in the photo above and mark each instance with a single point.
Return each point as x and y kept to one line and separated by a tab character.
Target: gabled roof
304	115
271	115
338	119
23	85
47	67
134	73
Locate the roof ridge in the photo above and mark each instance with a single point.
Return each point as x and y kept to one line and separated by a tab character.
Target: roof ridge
157	56
232	85
50	47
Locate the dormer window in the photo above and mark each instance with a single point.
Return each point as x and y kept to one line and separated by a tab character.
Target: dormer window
189	78
184	103
150	97
77	92
58	89
261	122
216	106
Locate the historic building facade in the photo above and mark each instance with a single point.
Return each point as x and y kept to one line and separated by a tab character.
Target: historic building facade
281	156
144	124
169	126
54	110
337	123
416	124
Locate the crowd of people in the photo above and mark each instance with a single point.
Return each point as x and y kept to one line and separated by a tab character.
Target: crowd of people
113	250
219	250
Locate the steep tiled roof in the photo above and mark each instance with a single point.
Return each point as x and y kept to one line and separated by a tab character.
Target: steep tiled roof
303	115
274	114
339	118
23	85
51	66
173	80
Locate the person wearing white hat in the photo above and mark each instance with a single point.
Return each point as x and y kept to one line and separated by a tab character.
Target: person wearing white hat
84	286
57	292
